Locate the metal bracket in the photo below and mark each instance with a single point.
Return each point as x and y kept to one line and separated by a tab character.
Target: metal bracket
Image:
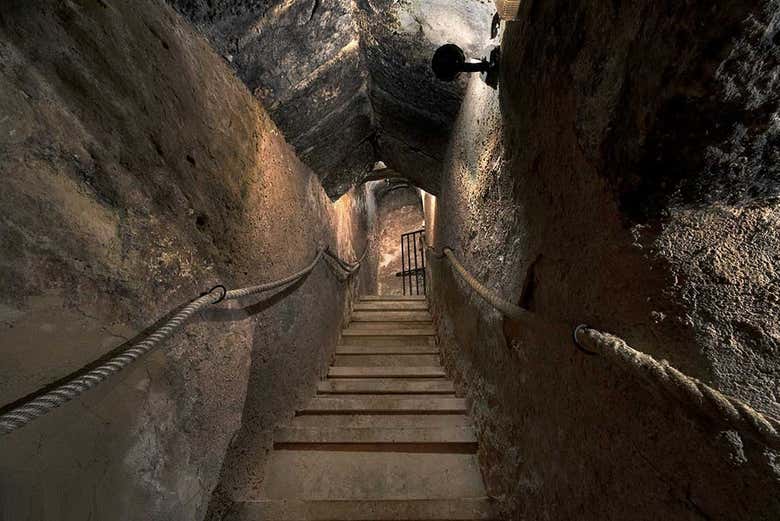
449	62
224	293
577	342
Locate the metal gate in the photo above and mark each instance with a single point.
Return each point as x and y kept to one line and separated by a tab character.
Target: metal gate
413	263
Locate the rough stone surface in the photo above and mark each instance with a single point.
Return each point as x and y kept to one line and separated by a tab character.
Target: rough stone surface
137	172
413	111
349	82
609	188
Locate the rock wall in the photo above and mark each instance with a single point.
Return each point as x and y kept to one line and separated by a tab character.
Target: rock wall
625	177
137	172
302	60
349	82
413	111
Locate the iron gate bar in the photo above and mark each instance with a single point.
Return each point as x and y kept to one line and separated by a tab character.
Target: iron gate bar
422	252
416	278
406	256
412	269
409	263
409	258
403	265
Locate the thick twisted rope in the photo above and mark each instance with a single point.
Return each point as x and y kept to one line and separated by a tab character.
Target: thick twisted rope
29	411
26	413
349	267
252	290
504	306
726	411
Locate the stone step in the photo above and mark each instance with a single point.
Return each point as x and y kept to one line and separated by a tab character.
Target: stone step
416	396
460	438
358	475
470	509
371	298
416	324
389	331
398	305
388	340
423	349
385	386
391	316
386	372
387	360
388	337
373	404
380	420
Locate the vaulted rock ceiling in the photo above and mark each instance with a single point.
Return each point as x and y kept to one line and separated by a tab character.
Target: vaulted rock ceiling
349	81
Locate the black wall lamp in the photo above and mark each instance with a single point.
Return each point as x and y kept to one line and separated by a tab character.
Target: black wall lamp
449	61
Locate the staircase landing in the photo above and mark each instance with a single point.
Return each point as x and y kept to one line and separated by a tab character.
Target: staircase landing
385	438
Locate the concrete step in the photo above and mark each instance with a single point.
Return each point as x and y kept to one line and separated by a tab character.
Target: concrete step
422	349
389	331
471	509
325	404
356	475
460	439
386	372
385	386
353	421
416	396
388	337
398	305
370	298
391	316
409	324
387	360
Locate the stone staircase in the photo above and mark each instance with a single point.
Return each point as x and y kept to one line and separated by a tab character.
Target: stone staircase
385	438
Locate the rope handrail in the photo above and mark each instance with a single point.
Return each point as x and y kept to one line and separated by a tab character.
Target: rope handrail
23	414
726	411
349	267
504	306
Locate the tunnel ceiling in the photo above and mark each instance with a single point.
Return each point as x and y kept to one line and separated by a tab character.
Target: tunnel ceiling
348	81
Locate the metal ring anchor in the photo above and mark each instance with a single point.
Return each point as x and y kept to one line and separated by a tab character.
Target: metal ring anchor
220	299
577	342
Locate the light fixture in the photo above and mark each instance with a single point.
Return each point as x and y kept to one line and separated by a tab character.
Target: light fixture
449	61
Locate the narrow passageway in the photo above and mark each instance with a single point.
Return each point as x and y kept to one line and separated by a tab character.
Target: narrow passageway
385	437
400	212
389	260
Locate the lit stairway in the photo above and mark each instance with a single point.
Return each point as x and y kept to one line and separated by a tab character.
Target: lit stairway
384	439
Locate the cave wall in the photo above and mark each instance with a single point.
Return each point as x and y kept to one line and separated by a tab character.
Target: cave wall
349	82
137	172
303	61
624	177
413	111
